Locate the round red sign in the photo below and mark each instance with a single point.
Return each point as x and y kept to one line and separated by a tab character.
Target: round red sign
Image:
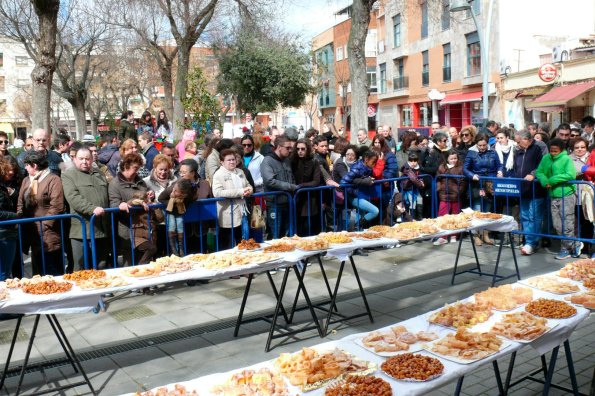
547	72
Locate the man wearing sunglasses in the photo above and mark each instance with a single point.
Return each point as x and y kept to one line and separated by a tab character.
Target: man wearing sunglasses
277	176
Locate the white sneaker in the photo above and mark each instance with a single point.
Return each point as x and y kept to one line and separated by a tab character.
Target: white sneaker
441	241
527	250
453	239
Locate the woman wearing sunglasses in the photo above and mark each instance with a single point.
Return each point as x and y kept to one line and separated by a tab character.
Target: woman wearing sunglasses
252	161
4	144
467	136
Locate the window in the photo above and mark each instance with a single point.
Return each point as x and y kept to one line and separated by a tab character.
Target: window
424	113
406	116
370	46
382	68
473	54
399	79
2	84
445	16
397	30
476	6
23	82
339	54
372	84
424	19
3	108
21	60
446	62
345	51
425	71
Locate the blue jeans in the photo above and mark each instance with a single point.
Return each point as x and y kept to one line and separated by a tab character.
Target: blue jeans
8	248
365	206
277	221
532	211
175	223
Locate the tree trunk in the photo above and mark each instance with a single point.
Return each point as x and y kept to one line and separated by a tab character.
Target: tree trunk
80	116
41	76
360	20
94	123
181	90
167	81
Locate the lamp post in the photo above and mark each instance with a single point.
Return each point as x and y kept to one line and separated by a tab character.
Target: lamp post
484	43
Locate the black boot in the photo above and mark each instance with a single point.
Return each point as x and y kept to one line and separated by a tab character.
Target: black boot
363	224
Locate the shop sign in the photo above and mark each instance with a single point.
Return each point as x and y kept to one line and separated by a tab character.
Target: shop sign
508	188
547	72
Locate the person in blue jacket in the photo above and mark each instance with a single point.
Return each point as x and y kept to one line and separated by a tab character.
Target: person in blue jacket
360	176
481	162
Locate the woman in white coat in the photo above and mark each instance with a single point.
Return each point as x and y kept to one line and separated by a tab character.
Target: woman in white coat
230	182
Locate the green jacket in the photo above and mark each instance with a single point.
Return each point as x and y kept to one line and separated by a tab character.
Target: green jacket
84	192
557	171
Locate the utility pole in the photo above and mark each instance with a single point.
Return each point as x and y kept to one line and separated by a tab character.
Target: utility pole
518	58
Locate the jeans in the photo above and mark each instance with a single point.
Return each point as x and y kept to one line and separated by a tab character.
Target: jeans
532	212
175	223
365	206
563	219
8	248
277	221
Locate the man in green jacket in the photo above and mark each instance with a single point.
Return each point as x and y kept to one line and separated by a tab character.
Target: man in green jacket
554	172
85	189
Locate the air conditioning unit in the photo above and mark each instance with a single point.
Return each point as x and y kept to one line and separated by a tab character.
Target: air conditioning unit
505	68
560	53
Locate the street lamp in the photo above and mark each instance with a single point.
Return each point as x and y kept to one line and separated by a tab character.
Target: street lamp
484	42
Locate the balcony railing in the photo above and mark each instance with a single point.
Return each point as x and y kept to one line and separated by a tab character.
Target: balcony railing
446	73
401	82
425	78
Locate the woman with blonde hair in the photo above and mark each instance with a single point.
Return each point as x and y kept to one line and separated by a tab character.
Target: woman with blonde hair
467	136
129	146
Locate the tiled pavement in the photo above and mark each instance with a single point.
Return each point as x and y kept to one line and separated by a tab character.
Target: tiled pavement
183	332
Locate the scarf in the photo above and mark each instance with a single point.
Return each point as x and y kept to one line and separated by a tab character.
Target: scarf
348	164
180	206
501	150
30	194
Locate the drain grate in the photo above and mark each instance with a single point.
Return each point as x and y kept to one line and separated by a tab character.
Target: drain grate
236	292
129	313
6	336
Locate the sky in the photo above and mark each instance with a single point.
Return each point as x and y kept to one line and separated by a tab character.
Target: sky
311	17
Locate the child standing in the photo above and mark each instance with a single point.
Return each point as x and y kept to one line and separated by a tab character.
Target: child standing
182	194
554	172
411	189
450	190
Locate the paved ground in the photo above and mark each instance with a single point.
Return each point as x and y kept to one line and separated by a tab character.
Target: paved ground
184	332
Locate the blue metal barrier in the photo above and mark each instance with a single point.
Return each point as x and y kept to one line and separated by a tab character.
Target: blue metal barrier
381	195
508	198
40	220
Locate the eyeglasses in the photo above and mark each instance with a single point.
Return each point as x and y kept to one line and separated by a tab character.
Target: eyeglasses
247	144
444	141
301	149
465	134
3	141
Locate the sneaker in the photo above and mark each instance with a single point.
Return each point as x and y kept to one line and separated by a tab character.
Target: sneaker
440	241
577	249
563	255
527	250
453	239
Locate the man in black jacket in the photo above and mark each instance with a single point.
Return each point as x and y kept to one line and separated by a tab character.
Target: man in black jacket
277	176
526	161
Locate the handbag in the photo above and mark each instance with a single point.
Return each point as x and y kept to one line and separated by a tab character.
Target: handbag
257	218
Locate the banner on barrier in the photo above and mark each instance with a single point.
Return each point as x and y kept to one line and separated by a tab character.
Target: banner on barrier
507	188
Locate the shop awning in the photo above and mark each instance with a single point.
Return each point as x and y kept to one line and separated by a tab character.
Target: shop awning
560	96
461	98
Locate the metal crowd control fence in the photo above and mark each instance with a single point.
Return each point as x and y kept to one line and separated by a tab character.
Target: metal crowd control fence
336	210
20	222
199	220
529	204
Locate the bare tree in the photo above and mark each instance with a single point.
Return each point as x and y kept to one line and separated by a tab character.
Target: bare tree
357	63
33	23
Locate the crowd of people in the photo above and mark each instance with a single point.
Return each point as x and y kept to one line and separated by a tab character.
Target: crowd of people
127	171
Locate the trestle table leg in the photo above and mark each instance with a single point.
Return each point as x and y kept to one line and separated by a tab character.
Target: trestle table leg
495	274
49	318
550	371
361	289
276	293
243	305
516	264
571	371
459	386
498	378
454	271
277	309
11	350
27	354
333	299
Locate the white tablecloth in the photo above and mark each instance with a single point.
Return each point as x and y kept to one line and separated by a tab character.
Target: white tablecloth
452	371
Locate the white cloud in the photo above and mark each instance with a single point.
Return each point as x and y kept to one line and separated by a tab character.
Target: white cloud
311	17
